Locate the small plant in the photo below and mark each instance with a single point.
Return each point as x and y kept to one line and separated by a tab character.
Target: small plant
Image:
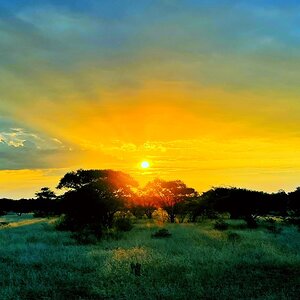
221	225
160	216
162	233
233	237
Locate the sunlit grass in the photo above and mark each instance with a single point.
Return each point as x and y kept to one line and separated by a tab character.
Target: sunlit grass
196	262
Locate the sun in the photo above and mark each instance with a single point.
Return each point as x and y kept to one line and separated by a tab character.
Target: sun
145	164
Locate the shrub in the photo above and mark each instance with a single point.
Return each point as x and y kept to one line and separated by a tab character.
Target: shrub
270	220
85	237
67	223
123	224
4	223
2	212
162	233
274	229
233	237
251	222
221	225
160	216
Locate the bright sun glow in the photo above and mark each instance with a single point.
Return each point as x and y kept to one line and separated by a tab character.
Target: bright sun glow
145	164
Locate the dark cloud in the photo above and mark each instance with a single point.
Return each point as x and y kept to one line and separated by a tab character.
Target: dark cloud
21	148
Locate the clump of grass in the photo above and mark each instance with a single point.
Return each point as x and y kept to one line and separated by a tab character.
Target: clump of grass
221	225
162	233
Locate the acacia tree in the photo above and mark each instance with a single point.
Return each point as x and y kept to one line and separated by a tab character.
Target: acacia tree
169	194
45	202
93	196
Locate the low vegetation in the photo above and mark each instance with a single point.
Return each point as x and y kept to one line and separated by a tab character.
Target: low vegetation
105	237
196	262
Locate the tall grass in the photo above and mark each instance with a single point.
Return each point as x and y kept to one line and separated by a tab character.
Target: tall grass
196	262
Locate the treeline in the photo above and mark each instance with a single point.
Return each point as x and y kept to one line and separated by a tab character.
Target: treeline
93	198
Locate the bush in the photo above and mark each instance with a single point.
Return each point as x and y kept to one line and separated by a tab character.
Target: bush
162	233
221	225
251	222
68	223
3	213
123	224
233	237
160	216
85	237
274	229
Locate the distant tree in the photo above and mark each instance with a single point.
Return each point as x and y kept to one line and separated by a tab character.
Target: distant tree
239	203
294	202
45	194
278	203
168	195
18	206
6	205
45	203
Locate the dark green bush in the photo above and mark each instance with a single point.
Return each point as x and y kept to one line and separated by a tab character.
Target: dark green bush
221	225
274	229
4	223
85	237
68	223
162	233
251	222
123	224
233	237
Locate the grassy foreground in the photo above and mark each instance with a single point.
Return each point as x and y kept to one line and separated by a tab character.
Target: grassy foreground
196	262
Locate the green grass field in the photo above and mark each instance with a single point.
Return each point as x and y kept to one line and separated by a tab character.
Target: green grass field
196	262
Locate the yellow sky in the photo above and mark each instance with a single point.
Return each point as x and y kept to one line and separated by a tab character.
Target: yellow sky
206	137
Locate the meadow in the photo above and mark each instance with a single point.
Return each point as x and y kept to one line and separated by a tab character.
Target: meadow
196	262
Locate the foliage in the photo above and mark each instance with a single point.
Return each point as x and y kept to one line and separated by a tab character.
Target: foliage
123	224
221	225
94	196
233	237
161	233
85	237
45	203
274	229
239	203
168	195
160	216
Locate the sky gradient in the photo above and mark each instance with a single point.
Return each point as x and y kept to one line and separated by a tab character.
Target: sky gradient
207	91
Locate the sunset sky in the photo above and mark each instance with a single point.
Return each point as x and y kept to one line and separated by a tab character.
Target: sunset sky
205	91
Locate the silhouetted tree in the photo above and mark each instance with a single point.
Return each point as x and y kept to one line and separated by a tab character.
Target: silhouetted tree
45	203
93	197
169	194
294	203
239	203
